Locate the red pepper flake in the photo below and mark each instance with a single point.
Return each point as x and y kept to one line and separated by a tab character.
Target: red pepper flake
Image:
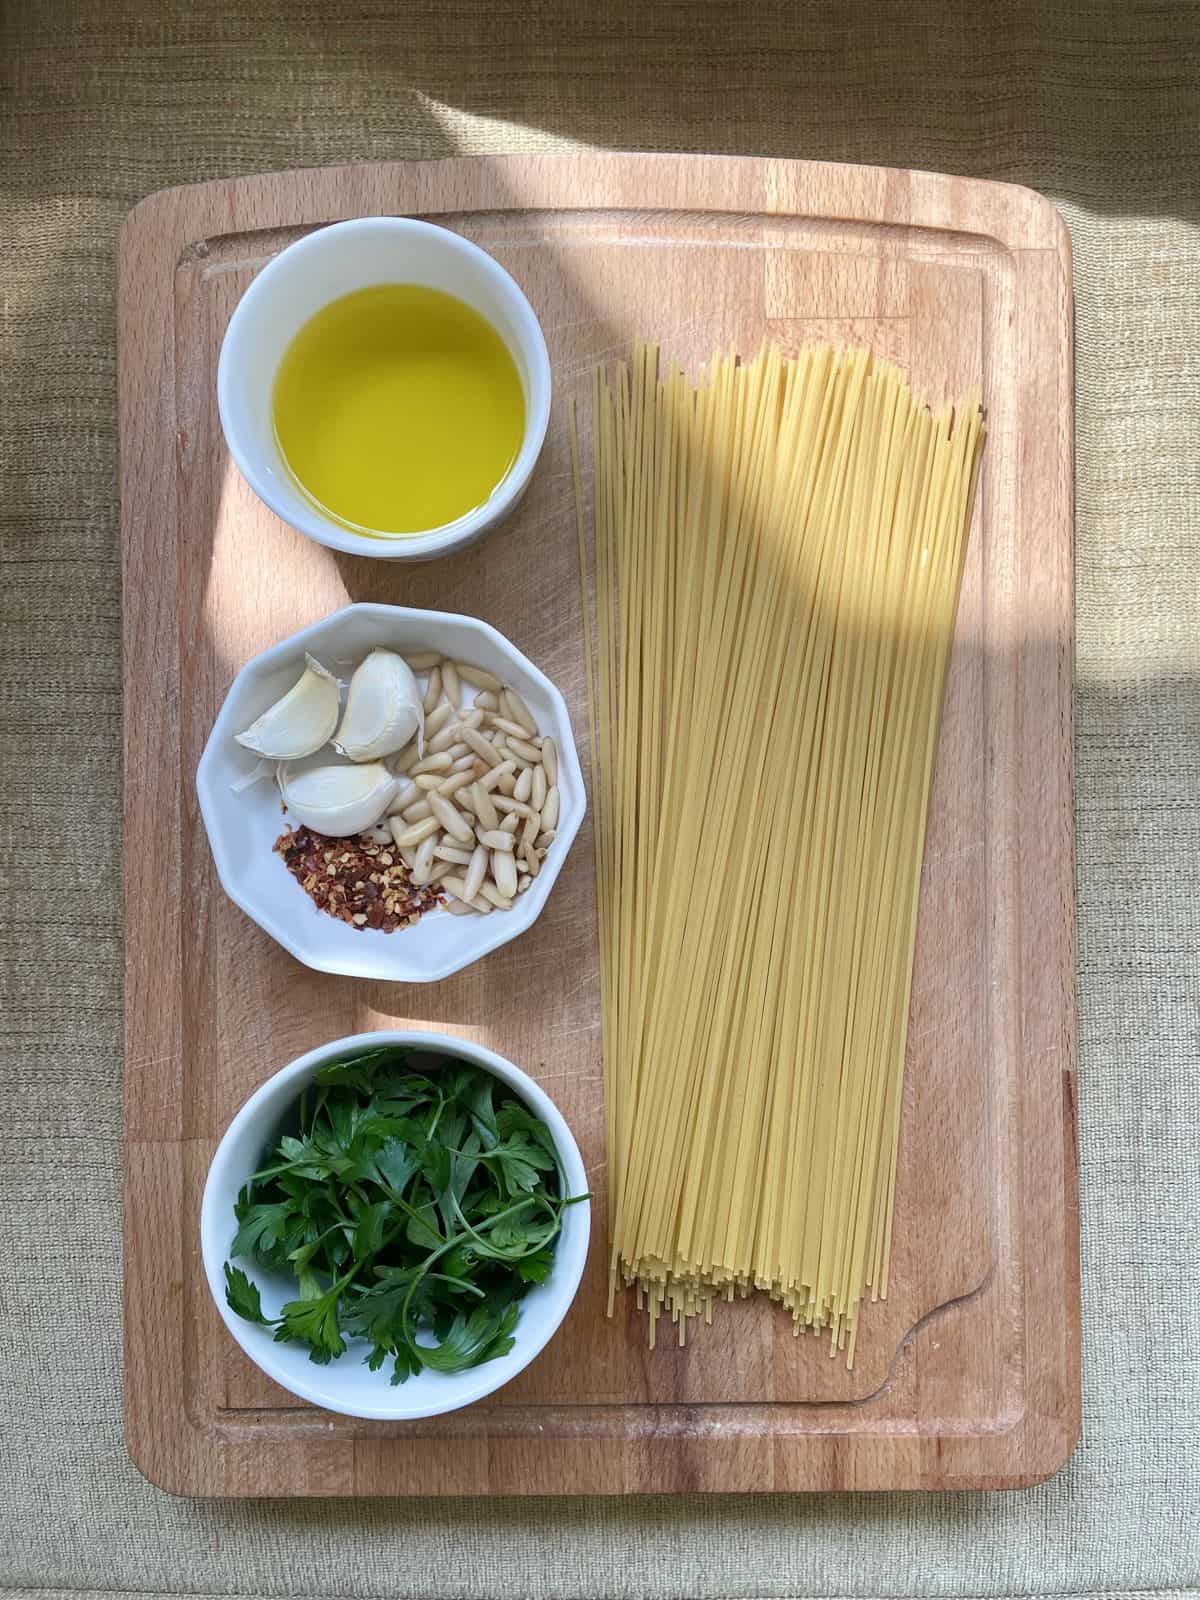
356	880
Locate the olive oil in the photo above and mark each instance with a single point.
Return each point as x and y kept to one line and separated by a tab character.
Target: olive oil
398	408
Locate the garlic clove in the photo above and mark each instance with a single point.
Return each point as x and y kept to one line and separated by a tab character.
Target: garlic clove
338	801
299	723
383	709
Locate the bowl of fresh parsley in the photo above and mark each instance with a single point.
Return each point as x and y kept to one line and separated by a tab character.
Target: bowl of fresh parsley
395	1224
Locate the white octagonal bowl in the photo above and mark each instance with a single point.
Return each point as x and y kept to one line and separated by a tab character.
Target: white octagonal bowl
347	1385
242	826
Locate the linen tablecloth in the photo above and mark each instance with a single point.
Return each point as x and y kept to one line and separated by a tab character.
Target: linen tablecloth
1095	104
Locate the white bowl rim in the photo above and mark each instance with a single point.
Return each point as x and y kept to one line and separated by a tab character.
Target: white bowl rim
449	536
574	1176
501	928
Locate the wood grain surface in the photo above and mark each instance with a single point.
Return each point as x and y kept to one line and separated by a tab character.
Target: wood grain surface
968	1376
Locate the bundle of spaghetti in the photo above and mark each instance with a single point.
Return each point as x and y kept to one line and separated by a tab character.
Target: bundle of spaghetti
778	551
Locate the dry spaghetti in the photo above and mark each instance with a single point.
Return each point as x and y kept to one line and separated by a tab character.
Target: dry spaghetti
778	552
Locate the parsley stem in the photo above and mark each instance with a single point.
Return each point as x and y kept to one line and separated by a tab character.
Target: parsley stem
490	1222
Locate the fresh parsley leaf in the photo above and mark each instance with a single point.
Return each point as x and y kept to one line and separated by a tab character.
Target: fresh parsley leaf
406	1365
478	1099
422	1228
359	1072
368	1229
534	1268
314	1323
519	1164
472	1340
395	1164
263	1227
243	1297
517	1119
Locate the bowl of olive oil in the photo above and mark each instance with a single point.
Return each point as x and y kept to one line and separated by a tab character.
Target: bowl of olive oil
384	387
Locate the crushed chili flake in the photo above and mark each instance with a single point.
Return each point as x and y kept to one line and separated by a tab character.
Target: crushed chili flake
357	880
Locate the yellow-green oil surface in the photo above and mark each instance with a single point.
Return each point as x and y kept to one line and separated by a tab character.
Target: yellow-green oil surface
398	408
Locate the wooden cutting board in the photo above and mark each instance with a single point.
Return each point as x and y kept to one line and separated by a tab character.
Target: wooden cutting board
968	1376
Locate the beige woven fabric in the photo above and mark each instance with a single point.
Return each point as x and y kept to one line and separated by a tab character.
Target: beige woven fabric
1097	103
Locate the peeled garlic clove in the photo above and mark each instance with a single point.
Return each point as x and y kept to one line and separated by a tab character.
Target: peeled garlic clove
301	722
338	801
383	709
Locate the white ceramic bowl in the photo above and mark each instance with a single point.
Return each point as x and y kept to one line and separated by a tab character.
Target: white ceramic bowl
336	261
346	1385
243	826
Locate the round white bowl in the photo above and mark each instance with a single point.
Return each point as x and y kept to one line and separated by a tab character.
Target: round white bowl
346	1385
324	266
243	825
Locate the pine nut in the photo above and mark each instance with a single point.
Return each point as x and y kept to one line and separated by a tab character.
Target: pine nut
503	803
435	721
405	796
433	691
481	746
550	809
495	838
504	871
519	711
479	676
496	774
456	886
475	871
484	809
454	782
451	687
507	726
451	819
450	852
423	660
417	812
550	759
541	788
524	786
438	761
414	833
444	738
